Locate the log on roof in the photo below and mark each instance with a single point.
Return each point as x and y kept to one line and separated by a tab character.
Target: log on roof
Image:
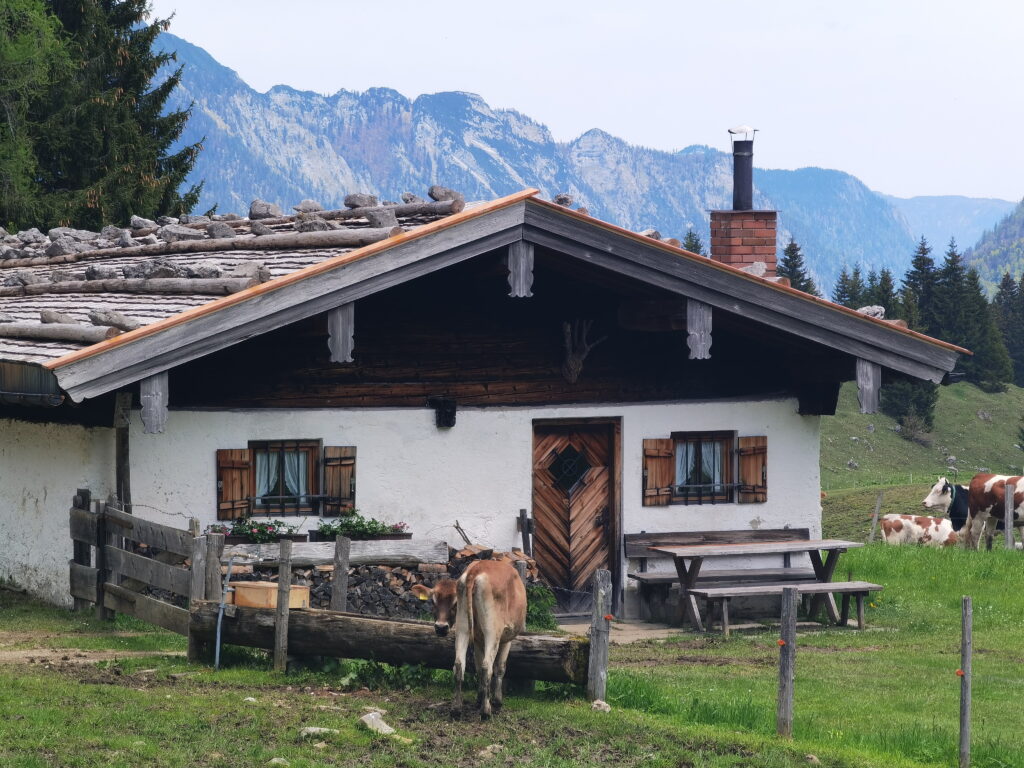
148	273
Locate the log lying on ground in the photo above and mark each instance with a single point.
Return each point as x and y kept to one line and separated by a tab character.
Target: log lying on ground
84	334
347	635
404	552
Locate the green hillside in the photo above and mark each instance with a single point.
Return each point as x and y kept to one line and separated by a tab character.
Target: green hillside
978	428
1001	249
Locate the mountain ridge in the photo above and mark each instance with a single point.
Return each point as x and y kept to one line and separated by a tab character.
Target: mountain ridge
288	144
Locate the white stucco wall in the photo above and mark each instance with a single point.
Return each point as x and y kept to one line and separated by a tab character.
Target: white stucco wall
478	472
41	466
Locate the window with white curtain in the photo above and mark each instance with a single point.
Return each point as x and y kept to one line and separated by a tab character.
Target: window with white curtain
286	476
703	467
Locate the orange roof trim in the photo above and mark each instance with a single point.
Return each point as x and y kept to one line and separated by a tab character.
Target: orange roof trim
441	224
272	285
676	250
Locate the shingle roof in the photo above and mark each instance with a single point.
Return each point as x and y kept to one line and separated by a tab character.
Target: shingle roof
148	278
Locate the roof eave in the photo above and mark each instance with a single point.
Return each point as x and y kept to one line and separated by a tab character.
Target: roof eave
200	331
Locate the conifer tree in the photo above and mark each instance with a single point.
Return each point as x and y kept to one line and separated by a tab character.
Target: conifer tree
1009	315
857	289
841	293
918	292
693	243
103	148
949	308
990	366
31	57
792	266
870	288
885	294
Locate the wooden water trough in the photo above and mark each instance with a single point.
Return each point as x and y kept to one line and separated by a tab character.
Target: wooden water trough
315	632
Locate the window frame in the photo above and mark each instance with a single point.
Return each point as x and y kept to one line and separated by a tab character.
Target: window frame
314	452
727	439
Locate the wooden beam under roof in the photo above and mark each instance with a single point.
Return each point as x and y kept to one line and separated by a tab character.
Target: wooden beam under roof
341	330
750	297
520	269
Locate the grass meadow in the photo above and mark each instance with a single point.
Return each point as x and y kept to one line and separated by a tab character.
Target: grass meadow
884	697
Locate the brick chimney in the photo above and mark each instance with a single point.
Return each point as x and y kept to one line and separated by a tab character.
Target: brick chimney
742	237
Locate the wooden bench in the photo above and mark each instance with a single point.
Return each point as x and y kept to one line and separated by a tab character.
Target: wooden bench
722	595
637	547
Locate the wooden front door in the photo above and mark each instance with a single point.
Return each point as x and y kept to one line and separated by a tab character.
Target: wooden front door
573	500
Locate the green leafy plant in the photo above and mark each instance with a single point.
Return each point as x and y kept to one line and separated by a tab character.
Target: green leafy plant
260	531
355	525
540	606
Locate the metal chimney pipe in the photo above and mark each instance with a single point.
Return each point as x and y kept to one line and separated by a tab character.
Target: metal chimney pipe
743	175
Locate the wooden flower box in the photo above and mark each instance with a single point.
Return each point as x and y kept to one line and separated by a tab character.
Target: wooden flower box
317	536
237	539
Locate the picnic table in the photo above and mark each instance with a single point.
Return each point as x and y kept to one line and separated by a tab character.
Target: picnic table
689	559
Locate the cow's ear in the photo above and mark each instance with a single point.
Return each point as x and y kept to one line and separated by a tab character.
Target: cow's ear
422	592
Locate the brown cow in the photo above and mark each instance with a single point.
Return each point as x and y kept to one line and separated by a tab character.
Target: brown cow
985	501
487	605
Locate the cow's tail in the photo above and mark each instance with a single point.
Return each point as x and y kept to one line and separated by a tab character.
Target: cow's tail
464	608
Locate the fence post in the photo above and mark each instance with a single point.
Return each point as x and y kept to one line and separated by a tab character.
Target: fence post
81	552
520	566
214	551
524	528
966	649
284	582
600	627
1008	508
102	574
339	579
197	591
874	518
787	663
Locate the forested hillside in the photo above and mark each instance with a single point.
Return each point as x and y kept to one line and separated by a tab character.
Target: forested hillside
1000	250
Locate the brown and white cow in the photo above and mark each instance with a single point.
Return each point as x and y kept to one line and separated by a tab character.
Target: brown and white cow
918	529
487	605
985	504
951	500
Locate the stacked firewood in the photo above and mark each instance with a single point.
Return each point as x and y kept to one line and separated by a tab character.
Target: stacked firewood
459	559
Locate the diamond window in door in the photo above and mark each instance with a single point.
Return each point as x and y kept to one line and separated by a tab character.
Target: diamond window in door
568	468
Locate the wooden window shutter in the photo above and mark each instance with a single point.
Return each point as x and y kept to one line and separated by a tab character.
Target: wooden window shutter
659	472
753	455
234	480
339	479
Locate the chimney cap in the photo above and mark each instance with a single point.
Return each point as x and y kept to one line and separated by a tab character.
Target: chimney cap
742	129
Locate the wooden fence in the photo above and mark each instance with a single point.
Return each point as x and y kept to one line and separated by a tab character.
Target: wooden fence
107	571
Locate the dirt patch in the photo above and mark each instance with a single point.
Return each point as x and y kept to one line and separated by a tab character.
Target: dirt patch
828	650
9	639
58	656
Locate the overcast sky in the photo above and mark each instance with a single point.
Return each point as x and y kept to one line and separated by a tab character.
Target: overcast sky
915	97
